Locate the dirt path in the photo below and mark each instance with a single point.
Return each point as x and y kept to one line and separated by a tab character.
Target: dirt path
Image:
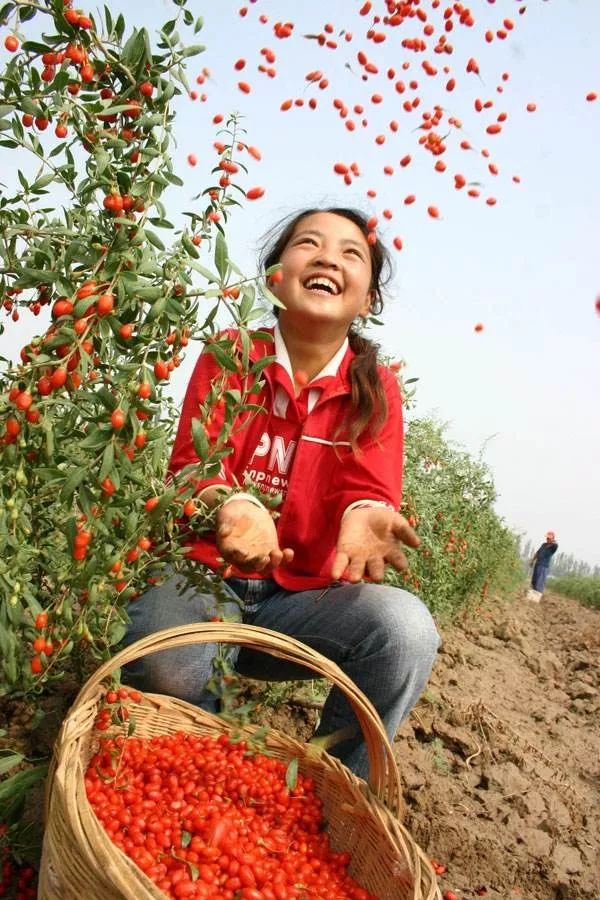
501	757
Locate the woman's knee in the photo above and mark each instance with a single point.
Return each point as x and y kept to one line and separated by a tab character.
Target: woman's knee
406	622
183	672
173	603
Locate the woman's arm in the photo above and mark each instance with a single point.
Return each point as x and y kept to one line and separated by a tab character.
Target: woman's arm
370	538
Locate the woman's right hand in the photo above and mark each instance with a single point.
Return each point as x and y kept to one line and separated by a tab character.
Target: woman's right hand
247	538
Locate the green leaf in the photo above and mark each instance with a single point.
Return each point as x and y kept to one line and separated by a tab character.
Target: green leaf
260	364
221	256
270	296
154	239
102	160
43	181
25	14
86	500
186	837
95	439
5	12
34	47
45	473
210	318
70	532
113	109
14	789
246	303
120	26
193	50
224	360
107	398
200	440
206	273
61	79
156	178
274	268
291	774
168	91
28	106
174	179
165	501
157	309
188	246
72	481
9	761
39	275
108	461
199	23
161	223
149	293
134	51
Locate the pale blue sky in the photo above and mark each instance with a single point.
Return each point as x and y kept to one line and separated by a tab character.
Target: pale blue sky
527	268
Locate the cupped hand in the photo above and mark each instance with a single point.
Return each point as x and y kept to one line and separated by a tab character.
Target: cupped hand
371	538
247	538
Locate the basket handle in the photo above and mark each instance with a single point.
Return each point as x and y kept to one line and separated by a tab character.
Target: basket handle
384	779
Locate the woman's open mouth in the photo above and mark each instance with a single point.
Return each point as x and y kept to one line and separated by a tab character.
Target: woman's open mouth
320	284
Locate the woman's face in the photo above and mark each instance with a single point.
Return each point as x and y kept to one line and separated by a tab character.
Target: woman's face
326	269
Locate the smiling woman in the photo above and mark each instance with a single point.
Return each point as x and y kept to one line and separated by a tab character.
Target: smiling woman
328	441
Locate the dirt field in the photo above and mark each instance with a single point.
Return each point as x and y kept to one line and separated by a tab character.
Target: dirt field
501	758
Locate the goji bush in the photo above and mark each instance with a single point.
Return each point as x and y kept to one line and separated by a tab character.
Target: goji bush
585	588
85	422
466	550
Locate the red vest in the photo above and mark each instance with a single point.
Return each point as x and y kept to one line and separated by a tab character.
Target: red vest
303	456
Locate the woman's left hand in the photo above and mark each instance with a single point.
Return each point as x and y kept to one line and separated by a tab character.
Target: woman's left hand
371	538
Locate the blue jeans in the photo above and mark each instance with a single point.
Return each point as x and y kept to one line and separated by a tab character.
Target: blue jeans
382	637
538	578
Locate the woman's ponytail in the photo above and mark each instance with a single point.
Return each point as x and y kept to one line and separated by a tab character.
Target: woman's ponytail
369	405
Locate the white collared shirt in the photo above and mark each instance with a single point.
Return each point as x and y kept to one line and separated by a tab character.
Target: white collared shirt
283	358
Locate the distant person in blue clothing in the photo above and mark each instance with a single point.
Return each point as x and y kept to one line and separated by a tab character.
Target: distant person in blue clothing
541	562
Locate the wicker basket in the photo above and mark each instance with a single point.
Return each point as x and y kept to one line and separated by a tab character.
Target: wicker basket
79	861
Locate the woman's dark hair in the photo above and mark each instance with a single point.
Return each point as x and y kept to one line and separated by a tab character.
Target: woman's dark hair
369	406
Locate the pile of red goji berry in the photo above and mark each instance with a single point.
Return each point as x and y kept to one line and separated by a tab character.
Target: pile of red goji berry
205	818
